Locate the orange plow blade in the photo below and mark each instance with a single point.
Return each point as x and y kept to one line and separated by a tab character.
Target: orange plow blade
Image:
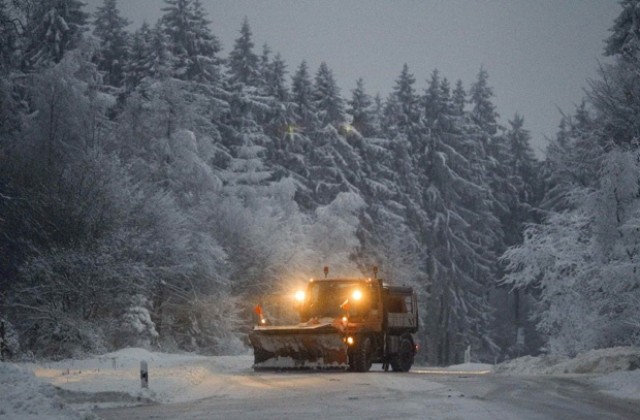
304	346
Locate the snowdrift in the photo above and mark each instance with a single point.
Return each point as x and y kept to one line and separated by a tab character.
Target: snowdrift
615	371
595	361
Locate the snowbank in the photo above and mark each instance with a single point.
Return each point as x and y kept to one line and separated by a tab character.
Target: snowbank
465	368
115	377
615	371
595	361
24	397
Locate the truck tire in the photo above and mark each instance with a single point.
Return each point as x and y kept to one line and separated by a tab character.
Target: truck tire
362	356
403	361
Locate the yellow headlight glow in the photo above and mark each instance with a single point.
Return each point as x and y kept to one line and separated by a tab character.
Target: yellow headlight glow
357	295
300	295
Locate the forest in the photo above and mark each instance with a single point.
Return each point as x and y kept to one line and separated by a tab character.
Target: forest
153	188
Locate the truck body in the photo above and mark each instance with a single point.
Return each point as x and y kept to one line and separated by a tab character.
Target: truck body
345	323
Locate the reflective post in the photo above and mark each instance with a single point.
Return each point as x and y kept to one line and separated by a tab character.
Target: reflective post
144	374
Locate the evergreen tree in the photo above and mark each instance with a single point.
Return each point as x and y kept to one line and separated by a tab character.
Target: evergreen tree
377	114
483	112
625	38
276	82
434	101
205	47
302	98
582	258
192	44
136	67
326	98
402	110
360	110
459	98
9	39
110	28
456	195
523	161
264	68
159	61
53	27
243	62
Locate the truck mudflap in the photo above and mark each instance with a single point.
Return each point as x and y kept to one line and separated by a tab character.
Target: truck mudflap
315	346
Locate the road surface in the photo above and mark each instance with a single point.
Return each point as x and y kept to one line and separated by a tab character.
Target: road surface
419	394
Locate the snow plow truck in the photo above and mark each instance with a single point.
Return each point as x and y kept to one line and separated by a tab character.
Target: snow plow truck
345	323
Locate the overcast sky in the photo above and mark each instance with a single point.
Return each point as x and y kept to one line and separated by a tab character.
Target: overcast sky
539	53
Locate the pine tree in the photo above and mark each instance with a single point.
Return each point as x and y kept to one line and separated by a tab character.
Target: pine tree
302	98
360	110
159	61
264	68
243	62
483	112
53	27
191	41
582	258
136	68
456	196
9	38
459	98
276	82
326	98
625	38
206	46
434	101
401	114
523	160
110	28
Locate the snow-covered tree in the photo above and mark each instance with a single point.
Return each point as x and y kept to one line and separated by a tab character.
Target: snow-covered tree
243	62
625	37
110	28
276	82
360	109
582	258
191	42
401	114
9	38
456	196
483	111
53	27
326	98
302	98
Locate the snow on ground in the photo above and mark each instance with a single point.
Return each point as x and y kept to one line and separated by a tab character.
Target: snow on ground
113	379
465	368
23	397
615	371
172	377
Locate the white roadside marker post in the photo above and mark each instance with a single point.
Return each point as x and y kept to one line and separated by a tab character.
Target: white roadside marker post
144	374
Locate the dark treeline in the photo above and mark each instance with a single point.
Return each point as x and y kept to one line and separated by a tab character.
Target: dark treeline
152	189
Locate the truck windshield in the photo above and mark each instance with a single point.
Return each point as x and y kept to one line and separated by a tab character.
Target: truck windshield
325	298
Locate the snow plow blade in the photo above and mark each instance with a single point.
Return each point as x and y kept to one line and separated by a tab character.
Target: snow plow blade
318	346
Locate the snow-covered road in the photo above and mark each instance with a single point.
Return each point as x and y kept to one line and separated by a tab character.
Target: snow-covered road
379	395
601	384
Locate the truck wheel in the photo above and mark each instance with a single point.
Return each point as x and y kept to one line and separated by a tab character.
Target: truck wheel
402	361
362	356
